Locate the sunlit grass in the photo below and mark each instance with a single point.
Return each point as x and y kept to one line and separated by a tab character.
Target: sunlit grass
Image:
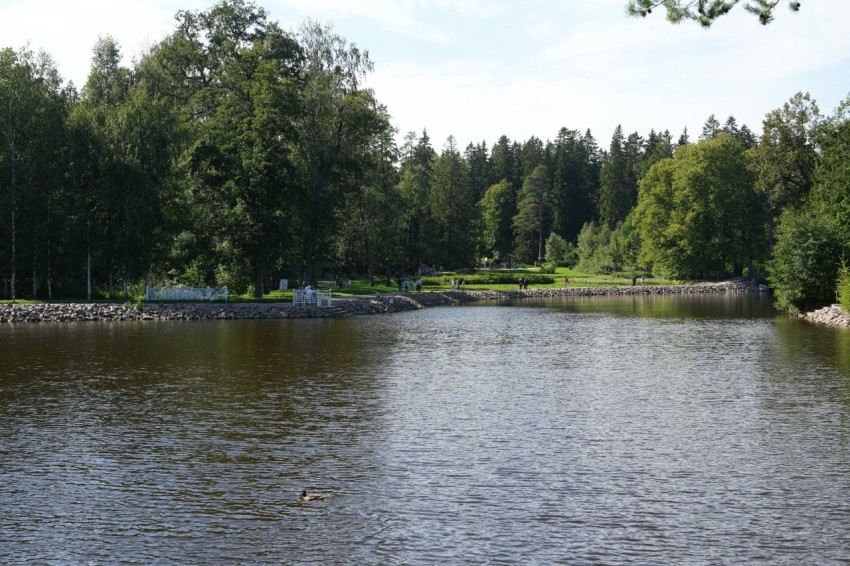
360	287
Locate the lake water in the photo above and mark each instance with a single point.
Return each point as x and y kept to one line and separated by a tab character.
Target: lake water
703	430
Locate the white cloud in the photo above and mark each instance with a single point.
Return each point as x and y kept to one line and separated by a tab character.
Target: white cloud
481	68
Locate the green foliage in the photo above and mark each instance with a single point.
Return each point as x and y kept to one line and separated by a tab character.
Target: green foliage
417	164
625	245
559	251
786	157
602	250
453	216
492	278
234	153
698	215
575	181
529	223
232	75
338	121
806	260
810	242
548	268
594	249
831	196
497	208
195	275
618	178
843	287
236	277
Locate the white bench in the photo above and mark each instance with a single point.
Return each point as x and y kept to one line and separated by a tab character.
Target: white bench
318	297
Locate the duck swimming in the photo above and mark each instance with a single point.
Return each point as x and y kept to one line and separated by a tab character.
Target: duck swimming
304	496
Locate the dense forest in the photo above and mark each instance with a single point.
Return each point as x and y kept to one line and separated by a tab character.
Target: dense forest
234	153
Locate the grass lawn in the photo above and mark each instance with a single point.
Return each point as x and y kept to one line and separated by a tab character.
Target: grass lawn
577	279
361	287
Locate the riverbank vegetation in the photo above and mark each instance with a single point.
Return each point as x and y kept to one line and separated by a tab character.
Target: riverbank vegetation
234	153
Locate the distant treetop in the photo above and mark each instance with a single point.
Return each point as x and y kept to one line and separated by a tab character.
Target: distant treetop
705	11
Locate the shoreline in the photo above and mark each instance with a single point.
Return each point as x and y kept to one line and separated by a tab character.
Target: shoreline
341	307
827	316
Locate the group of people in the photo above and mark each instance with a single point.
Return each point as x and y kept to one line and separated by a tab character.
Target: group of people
523	283
406	285
458	284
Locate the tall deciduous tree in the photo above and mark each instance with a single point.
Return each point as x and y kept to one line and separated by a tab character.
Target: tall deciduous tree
104	93
46	178
338	119
812	239
28	92
370	227
82	204
786	156
235	76
806	259
696	212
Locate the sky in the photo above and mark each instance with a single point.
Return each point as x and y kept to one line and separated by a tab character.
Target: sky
480	69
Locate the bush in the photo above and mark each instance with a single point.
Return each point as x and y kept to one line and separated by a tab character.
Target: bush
843	288
492	279
806	261
594	249
559	251
549	267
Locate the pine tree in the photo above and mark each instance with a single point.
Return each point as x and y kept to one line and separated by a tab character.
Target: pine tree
530	222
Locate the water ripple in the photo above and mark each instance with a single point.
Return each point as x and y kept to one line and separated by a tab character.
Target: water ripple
578	432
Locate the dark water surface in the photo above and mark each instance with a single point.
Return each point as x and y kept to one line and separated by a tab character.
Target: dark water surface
594	431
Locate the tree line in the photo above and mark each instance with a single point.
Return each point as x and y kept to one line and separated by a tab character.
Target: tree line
233	153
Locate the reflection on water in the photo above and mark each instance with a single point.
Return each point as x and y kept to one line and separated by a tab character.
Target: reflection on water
633	430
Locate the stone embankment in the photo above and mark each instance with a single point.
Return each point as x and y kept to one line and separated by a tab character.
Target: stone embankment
82	312
831	315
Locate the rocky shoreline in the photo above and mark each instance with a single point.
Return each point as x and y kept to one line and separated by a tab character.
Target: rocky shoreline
346	306
831	316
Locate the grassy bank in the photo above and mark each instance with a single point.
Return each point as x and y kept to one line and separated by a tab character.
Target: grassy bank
481	280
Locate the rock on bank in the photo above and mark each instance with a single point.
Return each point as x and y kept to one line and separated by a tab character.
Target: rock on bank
831	316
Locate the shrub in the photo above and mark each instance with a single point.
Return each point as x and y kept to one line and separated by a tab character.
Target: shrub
549	267
594	249
843	287
559	251
492	279
805	264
